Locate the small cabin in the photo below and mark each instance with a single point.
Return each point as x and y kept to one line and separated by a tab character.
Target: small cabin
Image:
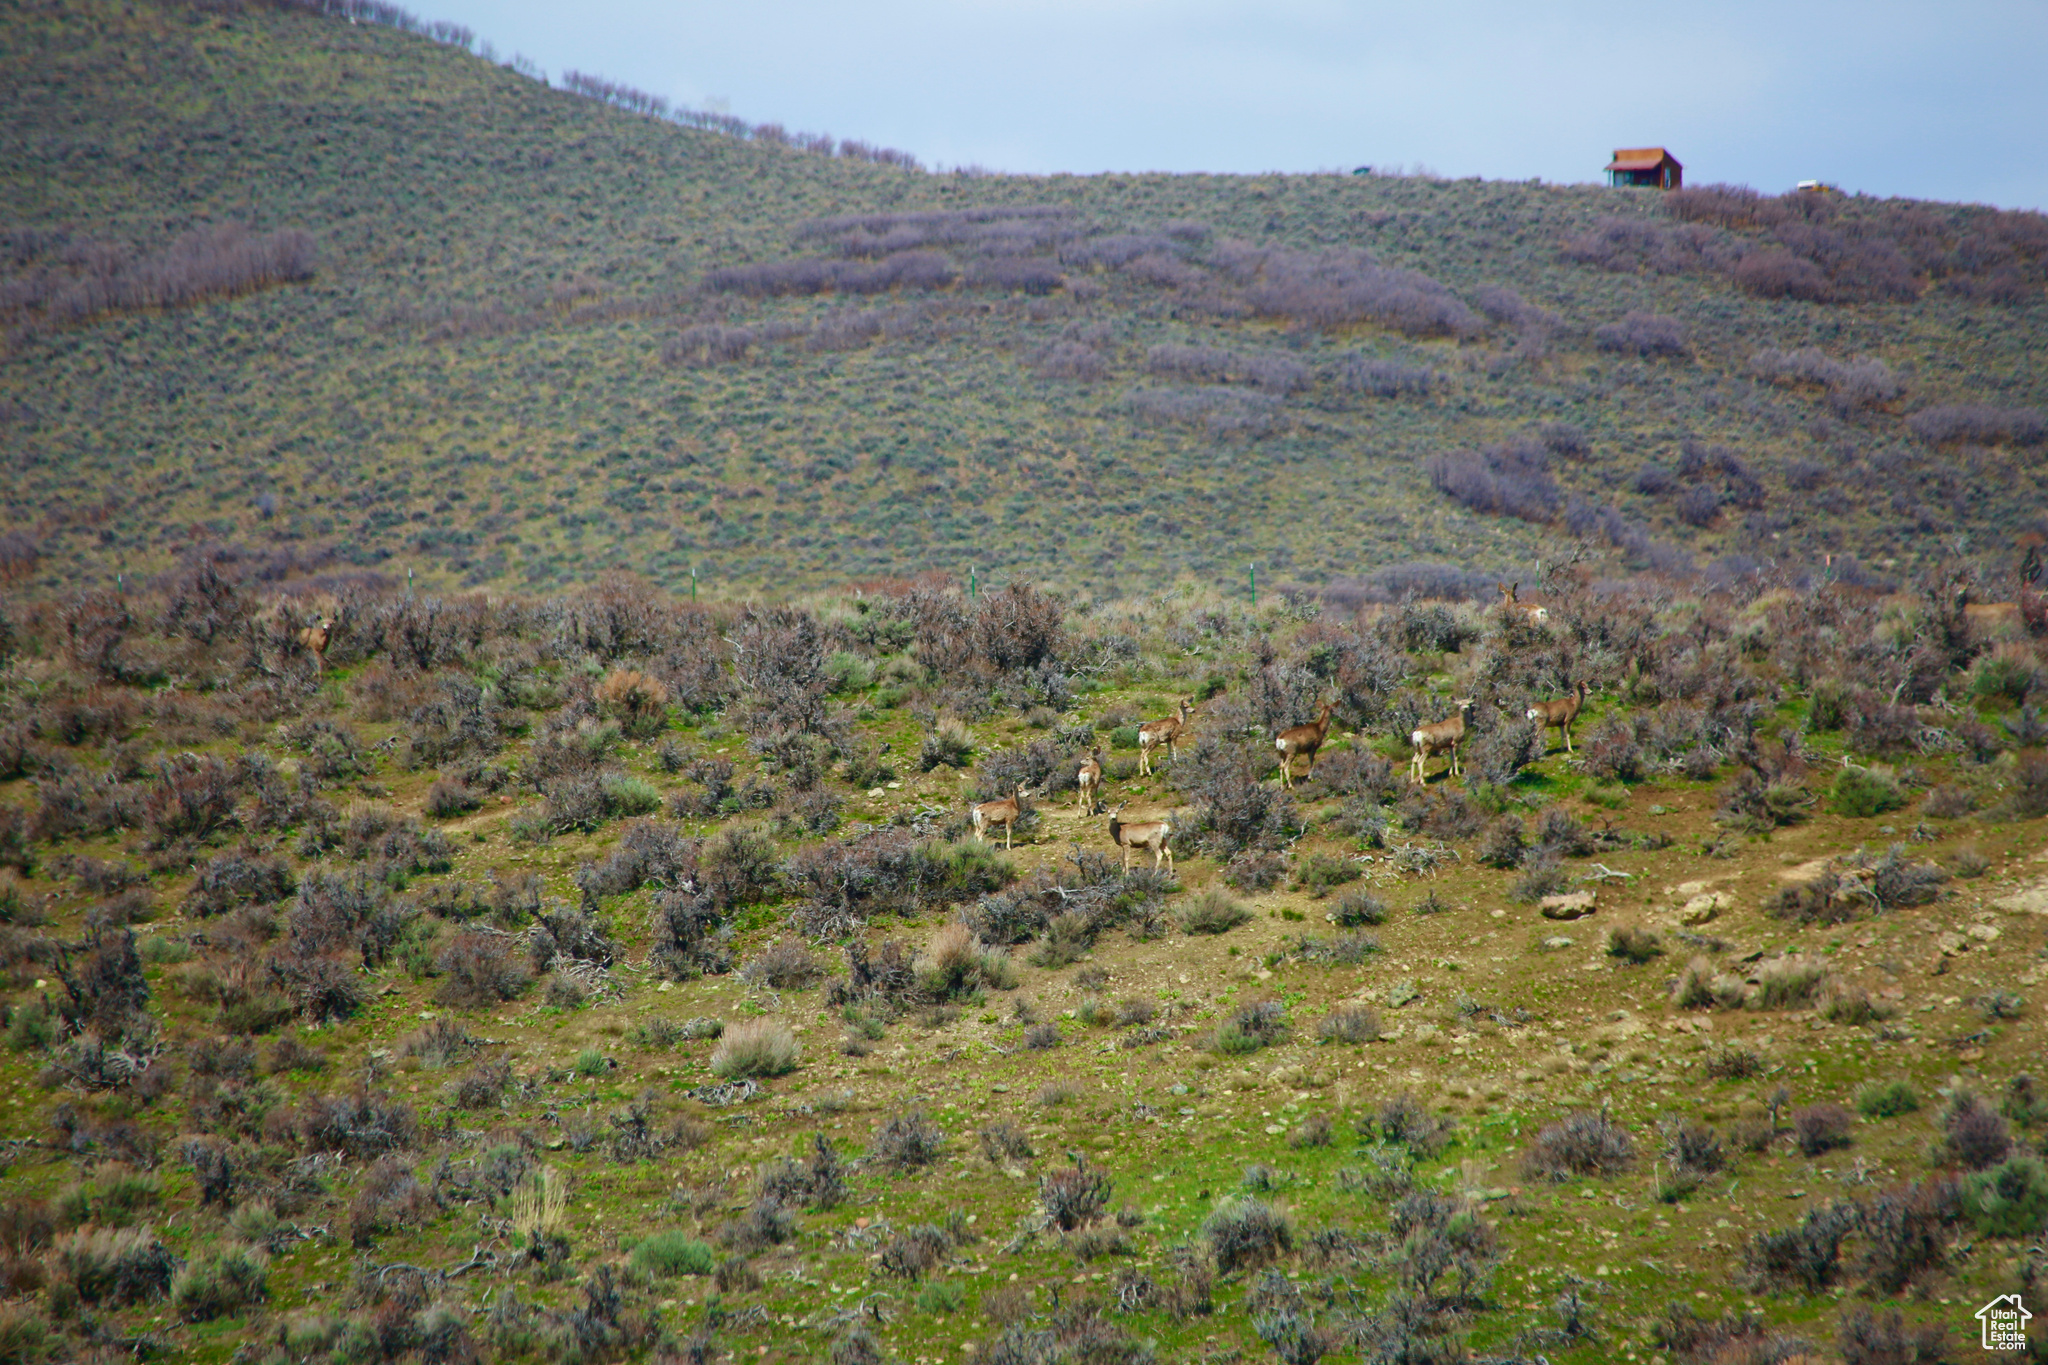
1649	167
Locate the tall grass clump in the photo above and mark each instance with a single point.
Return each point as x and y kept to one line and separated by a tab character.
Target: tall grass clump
1213	911
758	1047
218	1284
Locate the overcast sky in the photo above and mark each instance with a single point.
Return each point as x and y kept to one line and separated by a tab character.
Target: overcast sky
1936	101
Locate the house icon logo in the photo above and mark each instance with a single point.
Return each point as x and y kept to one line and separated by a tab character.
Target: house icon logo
2005	1323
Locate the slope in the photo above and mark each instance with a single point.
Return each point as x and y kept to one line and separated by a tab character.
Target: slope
536	337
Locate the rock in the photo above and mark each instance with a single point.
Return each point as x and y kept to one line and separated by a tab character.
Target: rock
2028	900
1570	906
1951	944
1705	907
1557	942
1401	993
1983	933
1806	873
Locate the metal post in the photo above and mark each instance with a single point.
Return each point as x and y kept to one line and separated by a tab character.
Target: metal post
973	585
408	580
693	582
1251	573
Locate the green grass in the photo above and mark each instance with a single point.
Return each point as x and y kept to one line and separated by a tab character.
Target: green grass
672	1253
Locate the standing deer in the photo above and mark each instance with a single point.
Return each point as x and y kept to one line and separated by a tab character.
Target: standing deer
1510	600
1444	736
1150	834
1303	739
1088	782
315	638
1561	713
985	815
1155	734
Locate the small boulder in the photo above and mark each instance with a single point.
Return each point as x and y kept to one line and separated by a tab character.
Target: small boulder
1570	906
1705	907
2028	900
1805	874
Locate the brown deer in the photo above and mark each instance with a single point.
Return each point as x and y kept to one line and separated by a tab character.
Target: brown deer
1088	782
1157	734
985	815
1149	834
1510	600
1303	739
315	639
1443	737
1561	713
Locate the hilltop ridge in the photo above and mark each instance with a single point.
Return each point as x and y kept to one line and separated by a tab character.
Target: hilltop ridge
528	336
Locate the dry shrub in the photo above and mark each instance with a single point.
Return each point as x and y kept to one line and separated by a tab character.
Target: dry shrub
113	1266
758	1047
907	1141
956	964
363	1125
480	967
1350	1024
239	877
1074	1198
783	965
1867	1338
1246	1233
1585	1144
1821	1127
389	1199
638	700
1789	982
1974	1135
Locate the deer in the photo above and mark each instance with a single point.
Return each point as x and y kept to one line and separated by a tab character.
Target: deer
1154	734
1088	782
1150	834
1443	737
315	638
985	815
1561	713
1510	601
1303	739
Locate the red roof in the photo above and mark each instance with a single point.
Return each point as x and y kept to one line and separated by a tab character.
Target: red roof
1641	159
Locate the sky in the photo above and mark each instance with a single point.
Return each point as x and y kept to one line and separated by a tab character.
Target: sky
1919	100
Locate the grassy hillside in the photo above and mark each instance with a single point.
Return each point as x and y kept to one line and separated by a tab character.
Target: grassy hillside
525	336
605	977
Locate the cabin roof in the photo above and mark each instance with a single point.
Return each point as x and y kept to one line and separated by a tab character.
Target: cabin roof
1641	159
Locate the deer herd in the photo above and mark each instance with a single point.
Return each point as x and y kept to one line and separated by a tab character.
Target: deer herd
1439	739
